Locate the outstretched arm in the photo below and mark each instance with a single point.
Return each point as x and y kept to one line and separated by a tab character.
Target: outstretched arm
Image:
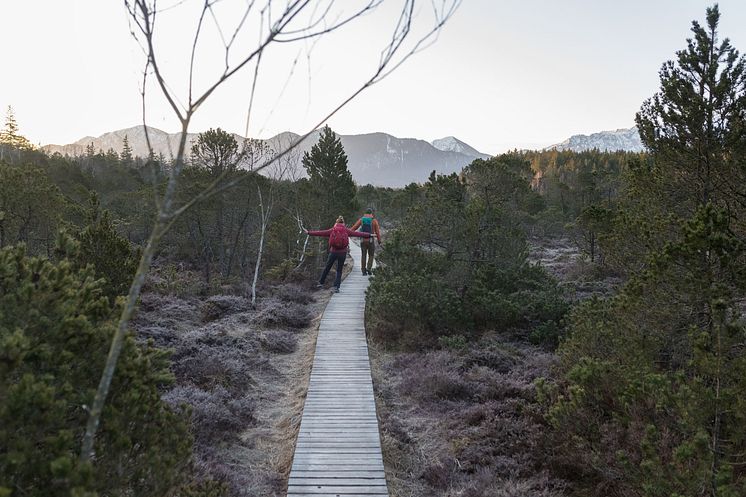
359	234
324	233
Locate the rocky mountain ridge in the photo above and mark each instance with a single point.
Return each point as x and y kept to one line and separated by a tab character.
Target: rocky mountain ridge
373	158
627	139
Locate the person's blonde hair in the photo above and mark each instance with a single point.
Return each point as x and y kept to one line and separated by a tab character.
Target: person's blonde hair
340	219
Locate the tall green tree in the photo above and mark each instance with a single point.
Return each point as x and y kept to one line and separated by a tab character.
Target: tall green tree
217	154
10	136
654	376
126	158
217	151
694	126
330	183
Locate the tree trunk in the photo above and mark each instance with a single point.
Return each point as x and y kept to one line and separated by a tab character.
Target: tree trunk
302	256
265	219
236	239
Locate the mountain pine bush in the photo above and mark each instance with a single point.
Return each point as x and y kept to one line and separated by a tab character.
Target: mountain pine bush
55	328
458	264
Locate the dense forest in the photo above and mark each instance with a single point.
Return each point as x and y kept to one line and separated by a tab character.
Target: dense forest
495	374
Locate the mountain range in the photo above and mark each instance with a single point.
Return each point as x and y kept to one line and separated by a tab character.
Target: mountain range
627	139
373	158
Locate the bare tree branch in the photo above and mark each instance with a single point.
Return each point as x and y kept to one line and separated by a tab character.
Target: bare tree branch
194	48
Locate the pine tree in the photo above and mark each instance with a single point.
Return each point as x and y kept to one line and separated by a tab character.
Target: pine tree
30	208
10	135
113	258
330	181
656	376
217	151
111	157
54	330
126	157
694	126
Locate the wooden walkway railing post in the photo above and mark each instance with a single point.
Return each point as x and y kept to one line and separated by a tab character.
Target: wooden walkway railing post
338	452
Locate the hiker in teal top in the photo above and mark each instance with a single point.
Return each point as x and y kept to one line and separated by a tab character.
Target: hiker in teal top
368	224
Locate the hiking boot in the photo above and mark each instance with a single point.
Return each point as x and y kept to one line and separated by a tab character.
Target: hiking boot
319	285
365	273
336	289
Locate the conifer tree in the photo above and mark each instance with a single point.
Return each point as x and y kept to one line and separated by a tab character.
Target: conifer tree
30	207
217	151
54	328
10	136
694	126
113	258
111	157
655	376
126	157
330	181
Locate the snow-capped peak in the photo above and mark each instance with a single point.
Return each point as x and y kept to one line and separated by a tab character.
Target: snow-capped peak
619	139
453	144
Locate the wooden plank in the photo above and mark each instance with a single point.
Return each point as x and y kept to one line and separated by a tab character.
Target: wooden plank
318	467
357	462
368	460
340	428
337	490
342	415
365	452
340	458
340	474
341	446
345	433
338	436
329	495
330	433
344	481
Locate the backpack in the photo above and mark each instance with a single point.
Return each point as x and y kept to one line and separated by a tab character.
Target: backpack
338	238
366	224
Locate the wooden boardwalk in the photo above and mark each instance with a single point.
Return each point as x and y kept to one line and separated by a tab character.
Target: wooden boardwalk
338	452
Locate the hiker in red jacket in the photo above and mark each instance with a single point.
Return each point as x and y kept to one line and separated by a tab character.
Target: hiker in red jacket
368	224
339	245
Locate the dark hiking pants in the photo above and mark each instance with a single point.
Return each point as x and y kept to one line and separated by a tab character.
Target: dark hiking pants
339	258
369	251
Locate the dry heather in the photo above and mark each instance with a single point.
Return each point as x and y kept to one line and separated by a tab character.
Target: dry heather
464	422
579	278
241	374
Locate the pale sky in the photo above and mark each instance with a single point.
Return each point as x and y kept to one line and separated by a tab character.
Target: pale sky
502	74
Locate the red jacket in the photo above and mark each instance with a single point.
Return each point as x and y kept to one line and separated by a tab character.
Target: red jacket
326	233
